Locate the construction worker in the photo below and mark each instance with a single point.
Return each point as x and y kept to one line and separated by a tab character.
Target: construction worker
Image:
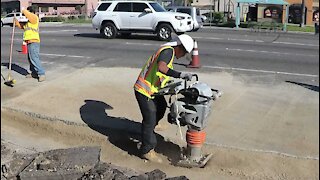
32	38
153	76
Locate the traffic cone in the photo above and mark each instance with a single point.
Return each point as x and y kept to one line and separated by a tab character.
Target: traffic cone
24	48
195	62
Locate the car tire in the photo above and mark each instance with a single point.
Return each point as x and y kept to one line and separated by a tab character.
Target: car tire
108	30
164	32
1	24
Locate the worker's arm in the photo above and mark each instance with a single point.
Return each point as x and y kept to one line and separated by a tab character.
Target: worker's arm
17	23
32	18
164	58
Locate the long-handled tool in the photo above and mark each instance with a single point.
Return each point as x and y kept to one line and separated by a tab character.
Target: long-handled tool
10	81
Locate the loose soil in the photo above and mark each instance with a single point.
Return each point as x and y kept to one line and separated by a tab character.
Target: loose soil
24	134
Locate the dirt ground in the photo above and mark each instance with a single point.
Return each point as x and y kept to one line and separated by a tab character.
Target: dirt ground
25	134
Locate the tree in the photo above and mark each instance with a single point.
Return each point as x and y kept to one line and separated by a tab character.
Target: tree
35	8
79	8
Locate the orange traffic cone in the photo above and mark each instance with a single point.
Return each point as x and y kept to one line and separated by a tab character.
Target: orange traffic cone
195	62
24	48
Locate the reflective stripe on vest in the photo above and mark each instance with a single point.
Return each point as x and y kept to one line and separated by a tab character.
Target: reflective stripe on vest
150	79
31	31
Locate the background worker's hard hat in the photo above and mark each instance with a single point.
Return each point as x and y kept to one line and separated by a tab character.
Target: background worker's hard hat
186	41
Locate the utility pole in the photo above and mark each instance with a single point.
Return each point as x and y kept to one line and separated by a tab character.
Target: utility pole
229	9
303	12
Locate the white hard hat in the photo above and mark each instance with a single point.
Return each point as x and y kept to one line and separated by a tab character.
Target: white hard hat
187	42
183	39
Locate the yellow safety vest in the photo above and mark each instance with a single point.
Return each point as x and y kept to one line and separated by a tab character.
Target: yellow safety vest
31	31
151	79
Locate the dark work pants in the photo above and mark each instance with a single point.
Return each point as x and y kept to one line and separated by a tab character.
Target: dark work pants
152	111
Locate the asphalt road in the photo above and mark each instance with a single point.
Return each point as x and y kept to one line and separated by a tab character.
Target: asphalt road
293	55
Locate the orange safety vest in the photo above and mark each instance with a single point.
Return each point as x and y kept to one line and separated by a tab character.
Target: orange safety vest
151	79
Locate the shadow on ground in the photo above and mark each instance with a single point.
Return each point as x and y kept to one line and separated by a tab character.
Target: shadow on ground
308	86
122	132
16	68
133	36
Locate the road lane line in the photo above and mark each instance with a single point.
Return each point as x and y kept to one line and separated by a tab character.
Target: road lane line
58	31
270	52
63	55
261	71
143	44
299	44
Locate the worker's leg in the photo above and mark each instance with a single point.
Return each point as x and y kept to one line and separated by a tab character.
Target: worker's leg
33	54
31	66
148	111
161	104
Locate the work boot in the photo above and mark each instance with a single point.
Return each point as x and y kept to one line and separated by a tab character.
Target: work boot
31	75
42	78
152	156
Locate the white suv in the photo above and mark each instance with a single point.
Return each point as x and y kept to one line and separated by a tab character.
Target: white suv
126	17
8	19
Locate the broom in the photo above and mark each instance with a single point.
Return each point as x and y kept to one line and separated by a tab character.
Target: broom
10	81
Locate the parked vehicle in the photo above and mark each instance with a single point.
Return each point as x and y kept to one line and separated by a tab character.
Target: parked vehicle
192	11
126	17
8	19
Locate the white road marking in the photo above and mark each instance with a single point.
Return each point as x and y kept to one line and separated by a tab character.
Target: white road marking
298	44
260	41
64	55
270	52
59	31
143	44
261	71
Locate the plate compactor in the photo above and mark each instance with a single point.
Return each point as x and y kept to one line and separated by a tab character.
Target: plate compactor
192	110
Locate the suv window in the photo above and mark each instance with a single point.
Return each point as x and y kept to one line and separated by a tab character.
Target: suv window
184	10
157	7
198	12
104	6
123	7
139	7
10	15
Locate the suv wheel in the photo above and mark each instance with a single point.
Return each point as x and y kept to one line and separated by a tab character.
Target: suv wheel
108	30
1	24
164	32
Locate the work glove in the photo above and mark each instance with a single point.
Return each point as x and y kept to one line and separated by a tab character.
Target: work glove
186	76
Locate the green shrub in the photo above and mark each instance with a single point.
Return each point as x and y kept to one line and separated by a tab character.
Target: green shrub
82	16
71	18
217	17
53	19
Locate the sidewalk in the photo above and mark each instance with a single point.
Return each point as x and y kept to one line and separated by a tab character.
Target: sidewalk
271	117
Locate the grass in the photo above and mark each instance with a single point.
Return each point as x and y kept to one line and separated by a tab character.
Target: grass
78	21
300	29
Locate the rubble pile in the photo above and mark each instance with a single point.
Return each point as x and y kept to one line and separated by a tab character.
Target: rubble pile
81	163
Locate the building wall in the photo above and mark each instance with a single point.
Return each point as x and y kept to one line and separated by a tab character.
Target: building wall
62	5
310	8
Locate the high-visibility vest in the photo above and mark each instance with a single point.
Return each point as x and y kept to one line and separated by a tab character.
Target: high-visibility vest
150	79
31	31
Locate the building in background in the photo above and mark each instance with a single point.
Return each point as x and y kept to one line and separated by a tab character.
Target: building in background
255	12
51	7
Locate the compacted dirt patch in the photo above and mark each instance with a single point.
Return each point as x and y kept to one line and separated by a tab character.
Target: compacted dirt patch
25	134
